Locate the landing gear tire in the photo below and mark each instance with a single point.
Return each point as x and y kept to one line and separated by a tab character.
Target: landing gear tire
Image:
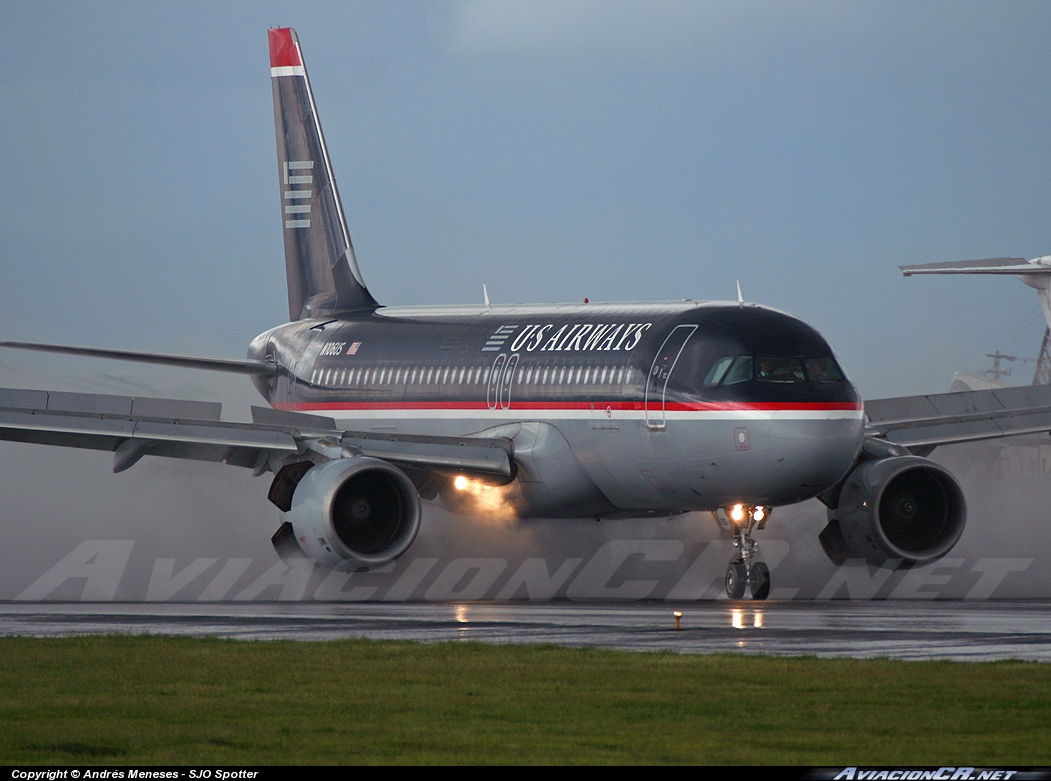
736	579
759	580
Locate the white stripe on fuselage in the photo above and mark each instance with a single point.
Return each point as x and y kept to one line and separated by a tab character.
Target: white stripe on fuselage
589	416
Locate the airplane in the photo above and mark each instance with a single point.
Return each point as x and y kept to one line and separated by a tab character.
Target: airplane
591	410
1035	273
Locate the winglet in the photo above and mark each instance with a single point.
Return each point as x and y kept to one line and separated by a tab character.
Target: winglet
740	296
323	275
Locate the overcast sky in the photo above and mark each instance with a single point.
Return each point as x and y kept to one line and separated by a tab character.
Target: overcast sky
553	150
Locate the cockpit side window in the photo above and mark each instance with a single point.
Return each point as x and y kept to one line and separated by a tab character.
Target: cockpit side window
741	371
730	371
715	376
823	370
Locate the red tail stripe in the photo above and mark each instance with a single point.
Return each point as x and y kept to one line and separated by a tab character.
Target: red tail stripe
283	51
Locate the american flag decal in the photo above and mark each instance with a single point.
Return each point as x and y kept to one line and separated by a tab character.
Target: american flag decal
353	349
500	335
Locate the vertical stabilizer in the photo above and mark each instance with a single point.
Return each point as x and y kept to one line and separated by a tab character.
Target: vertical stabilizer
323	275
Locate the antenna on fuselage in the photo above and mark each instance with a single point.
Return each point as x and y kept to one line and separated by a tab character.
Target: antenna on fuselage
740	295
485	292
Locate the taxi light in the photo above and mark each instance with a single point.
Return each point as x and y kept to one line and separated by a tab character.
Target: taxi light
759	513
737	512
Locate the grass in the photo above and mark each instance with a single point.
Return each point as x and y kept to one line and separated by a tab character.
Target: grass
131	700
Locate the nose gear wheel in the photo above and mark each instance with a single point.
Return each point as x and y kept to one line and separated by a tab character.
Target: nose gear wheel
759	580
736	580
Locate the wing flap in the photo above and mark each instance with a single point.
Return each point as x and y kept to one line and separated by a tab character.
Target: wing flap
102	431
97	403
164	427
277	417
491	456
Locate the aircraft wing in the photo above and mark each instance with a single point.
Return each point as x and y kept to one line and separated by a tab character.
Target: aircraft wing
922	423
131	427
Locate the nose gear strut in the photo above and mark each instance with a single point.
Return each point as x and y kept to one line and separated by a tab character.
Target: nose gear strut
743	572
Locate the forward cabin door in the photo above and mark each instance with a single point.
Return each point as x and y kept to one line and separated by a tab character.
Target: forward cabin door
507	380
492	394
660	372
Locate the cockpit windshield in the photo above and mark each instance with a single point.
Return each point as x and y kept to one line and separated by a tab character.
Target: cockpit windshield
731	370
780	370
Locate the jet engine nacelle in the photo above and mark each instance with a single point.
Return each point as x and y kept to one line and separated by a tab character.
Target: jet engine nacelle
361	511
895	512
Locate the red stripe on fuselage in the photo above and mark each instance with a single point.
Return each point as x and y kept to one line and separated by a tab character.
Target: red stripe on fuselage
655	406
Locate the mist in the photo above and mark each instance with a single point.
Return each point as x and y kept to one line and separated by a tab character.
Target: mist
185	531
626	152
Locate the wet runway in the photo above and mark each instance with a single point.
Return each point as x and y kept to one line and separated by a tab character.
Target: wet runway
965	631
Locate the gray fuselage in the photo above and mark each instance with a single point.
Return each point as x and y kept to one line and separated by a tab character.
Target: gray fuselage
613	408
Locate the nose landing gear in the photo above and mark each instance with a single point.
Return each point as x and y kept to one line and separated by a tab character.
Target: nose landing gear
742	572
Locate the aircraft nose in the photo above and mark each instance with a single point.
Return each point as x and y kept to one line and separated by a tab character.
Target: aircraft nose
816	449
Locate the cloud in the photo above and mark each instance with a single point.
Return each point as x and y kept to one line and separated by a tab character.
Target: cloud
658	29
543	26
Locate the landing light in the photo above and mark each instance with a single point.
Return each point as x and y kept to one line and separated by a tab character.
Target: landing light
737	512
460	482
759	513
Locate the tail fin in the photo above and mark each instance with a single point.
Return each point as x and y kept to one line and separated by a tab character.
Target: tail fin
323	275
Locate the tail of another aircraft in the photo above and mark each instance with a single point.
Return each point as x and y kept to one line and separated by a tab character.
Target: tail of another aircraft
323	275
1036	273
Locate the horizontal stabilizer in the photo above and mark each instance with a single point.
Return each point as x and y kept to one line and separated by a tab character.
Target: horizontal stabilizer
1013	266
186	361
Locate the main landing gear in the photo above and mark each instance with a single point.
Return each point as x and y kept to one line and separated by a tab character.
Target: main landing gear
744	573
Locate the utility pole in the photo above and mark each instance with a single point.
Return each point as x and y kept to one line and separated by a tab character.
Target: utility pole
996	372
1042	375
